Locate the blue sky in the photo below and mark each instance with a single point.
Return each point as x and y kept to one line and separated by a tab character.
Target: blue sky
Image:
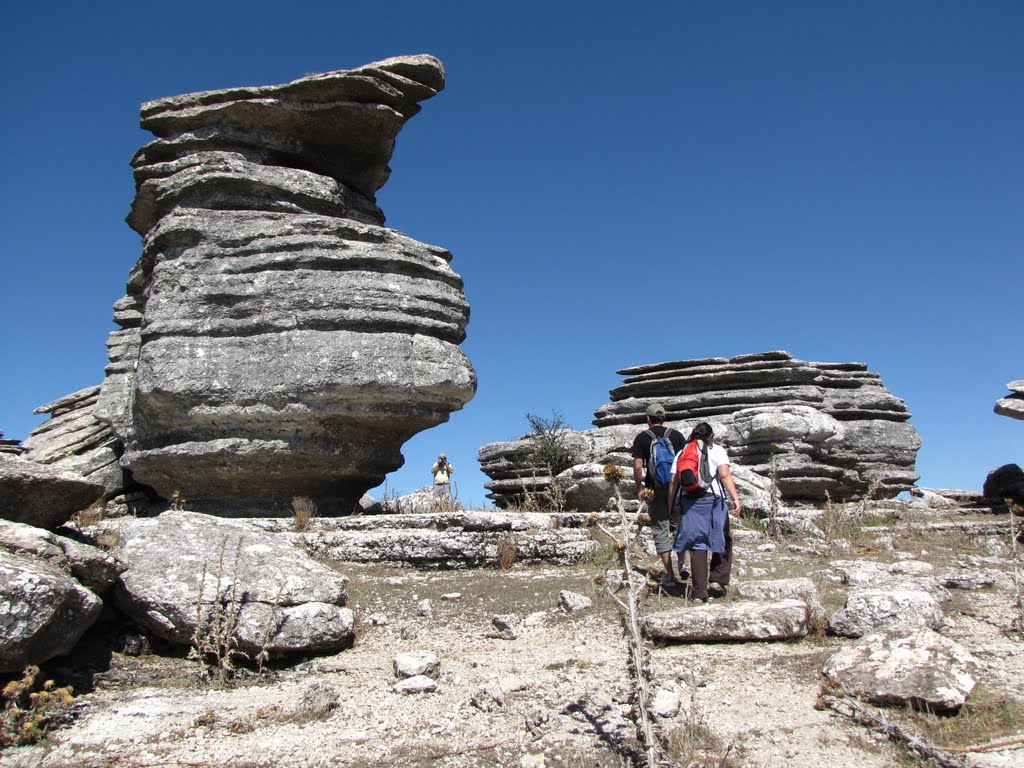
842	180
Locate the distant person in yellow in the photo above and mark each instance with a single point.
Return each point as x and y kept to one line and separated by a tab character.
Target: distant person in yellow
442	472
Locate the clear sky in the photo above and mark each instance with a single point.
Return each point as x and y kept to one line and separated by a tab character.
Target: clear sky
842	180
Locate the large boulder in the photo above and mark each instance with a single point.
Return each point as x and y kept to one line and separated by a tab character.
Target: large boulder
815	430
40	495
270	595
905	666
43	611
276	340
1005	482
91	566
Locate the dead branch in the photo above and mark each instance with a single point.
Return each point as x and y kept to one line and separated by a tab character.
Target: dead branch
467	750
872	718
988	747
639	669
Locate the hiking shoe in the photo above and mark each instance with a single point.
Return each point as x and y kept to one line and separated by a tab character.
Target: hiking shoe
718	590
668	581
684	575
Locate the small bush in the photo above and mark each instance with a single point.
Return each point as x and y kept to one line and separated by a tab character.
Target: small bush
27	714
552	445
304	509
507	552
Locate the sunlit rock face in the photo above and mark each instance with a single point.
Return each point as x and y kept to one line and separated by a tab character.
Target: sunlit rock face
277	340
815	430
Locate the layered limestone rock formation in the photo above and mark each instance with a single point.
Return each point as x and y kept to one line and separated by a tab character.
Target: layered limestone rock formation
276	340
1013	404
818	429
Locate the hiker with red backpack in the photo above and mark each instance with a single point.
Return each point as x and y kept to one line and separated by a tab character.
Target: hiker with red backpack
653	453
701	477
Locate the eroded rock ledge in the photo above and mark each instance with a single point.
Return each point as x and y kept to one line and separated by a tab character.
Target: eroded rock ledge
821	430
276	340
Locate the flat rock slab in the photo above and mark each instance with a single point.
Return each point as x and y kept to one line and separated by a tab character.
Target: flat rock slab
181	564
43	611
730	622
904	666
786	589
41	495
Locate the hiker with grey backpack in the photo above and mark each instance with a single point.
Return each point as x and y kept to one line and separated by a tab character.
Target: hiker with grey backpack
700	479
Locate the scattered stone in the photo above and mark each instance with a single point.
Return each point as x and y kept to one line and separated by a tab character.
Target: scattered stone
506	625
615	580
533	761
417	684
180	562
968	580
425	608
573	602
319	700
43	496
43	611
736	621
488	697
666	704
377	619
416	663
905	666
452	596
692	679
869	609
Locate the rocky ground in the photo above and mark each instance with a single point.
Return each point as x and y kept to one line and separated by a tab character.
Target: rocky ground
557	694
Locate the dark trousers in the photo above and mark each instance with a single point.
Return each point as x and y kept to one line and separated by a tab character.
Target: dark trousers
721	567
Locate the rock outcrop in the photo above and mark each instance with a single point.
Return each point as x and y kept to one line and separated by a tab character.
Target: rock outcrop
190	575
40	495
10	447
276	340
74	440
43	611
1013	404
821	430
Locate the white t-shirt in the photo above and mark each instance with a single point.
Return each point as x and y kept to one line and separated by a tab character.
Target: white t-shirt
717	456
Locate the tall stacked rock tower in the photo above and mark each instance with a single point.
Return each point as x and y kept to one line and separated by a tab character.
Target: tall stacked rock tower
276	339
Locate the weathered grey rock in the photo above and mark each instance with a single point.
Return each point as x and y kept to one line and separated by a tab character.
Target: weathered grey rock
319	700
869	609
731	622
10	447
488	697
891	576
968	579
417	684
446	539
786	589
95	569
1005	482
43	611
904	666
506	626
1013	404
276	340
40	495
416	663
75	440
819	429
181	563
573	602
666	704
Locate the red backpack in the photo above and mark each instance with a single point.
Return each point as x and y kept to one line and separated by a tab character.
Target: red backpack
694	469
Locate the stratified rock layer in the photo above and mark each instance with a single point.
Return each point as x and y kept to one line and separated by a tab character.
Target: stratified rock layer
1013	404
819	429
276	340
